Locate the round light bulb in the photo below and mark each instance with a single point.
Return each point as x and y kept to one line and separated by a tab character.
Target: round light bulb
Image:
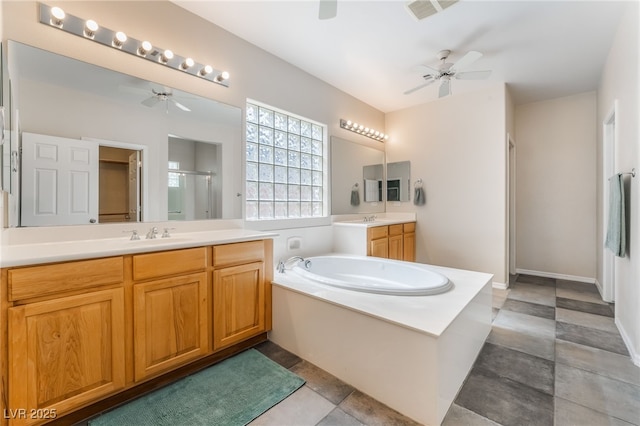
166	56
349	123
208	69
188	63
119	39
91	25
57	13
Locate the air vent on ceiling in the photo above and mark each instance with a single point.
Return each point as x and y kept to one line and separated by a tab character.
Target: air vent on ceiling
421	9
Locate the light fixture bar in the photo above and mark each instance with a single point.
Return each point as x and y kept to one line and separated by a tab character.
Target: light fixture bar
142	49
362	130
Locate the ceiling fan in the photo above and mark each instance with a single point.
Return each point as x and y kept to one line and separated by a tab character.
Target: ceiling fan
447	70
163	95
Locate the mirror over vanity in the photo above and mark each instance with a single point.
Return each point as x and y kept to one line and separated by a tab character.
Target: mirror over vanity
101	146
362	181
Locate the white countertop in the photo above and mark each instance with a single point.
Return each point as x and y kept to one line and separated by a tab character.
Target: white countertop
30	254
426	314
377	222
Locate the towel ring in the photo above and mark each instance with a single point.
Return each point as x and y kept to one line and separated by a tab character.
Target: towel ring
418	183
355	186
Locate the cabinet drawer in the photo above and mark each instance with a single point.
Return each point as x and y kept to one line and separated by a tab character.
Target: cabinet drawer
395	229
378	232
173	262
37	281
410	227
238	253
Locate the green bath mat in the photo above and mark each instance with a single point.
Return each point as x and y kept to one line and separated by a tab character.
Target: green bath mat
233	392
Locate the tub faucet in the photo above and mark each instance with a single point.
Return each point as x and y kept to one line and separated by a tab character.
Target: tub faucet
282	264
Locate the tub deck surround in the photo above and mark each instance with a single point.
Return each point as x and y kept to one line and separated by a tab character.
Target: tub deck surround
48	252
410	353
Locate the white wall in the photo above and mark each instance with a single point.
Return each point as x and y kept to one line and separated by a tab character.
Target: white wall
556	217
254	73
457	146
620	82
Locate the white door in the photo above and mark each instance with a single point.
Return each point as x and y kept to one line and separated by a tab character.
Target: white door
59	181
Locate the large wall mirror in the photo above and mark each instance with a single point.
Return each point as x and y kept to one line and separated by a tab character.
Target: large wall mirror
157	153
357	178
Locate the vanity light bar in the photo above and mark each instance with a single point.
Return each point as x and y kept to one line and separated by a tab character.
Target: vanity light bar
89	29
362	130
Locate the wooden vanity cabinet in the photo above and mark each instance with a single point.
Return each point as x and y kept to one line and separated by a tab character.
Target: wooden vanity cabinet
63	350
170	302
241	291
79	333
392	241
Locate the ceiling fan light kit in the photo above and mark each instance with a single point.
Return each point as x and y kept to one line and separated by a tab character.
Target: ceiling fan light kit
89	29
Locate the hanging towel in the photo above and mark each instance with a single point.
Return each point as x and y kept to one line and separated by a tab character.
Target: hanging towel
355	195
419	199
616	231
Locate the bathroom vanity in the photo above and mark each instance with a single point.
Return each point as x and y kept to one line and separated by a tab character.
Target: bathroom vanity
82	335
387	238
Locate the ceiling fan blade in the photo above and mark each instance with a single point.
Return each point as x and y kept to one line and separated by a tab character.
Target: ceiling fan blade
467	60
328	9
150	102
425	69
445	88
179	105
419	87
473	75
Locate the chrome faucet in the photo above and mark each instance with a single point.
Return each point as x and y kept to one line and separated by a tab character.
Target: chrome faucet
282	264
153	233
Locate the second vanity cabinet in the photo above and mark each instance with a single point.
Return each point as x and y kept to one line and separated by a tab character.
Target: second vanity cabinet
80	331
392	241
395	241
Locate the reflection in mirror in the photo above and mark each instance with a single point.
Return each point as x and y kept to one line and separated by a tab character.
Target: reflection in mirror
59	97
348	177
373	176
398	181
194	189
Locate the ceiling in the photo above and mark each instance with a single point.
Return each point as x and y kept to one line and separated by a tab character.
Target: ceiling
541	49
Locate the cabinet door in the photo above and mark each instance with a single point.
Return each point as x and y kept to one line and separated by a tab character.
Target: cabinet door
409	247
170	323
395	247
238	303
379	247
65	352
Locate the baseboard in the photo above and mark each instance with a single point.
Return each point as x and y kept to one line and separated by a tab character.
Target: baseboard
500	286
557	276
635	356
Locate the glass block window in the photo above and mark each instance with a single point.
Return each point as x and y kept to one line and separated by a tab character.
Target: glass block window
285	165
174	178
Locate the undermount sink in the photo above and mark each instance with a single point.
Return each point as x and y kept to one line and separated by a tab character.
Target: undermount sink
168	240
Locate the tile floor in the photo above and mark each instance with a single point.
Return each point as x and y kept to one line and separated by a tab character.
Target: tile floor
554	357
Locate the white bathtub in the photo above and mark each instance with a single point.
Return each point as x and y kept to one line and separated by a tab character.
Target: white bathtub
373	275
410	353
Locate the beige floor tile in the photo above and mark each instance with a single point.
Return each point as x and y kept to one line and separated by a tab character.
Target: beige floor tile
525	333
586	320
330	387
598	361
568	413
607	396
373	413
460	416
534	293
303	408
499	296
